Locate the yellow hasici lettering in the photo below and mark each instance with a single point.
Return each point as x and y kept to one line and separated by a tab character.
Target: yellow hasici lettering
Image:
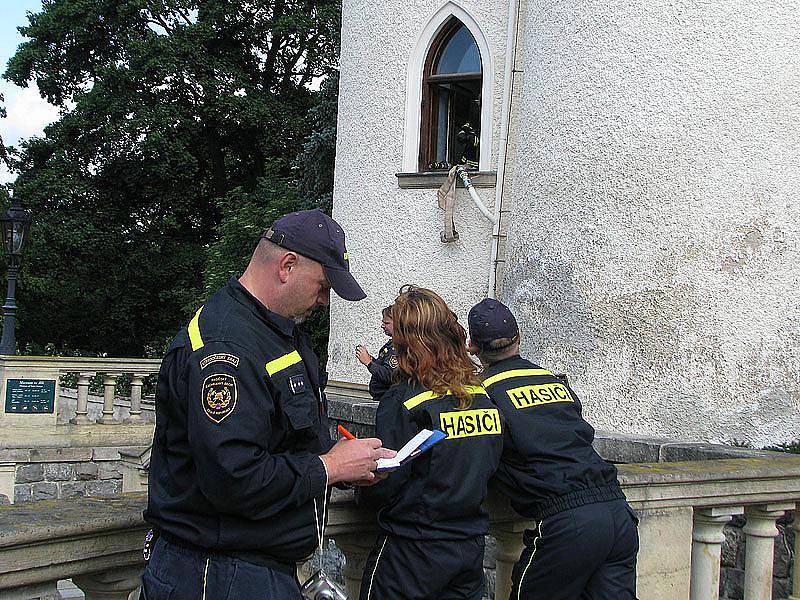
470	423
534	395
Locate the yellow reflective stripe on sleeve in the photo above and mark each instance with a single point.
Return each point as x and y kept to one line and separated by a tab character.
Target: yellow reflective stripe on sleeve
425	396
287	360
514	373
476	389
194	331
419	399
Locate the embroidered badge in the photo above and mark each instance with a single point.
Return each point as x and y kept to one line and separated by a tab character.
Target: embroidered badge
219	396
297	383
393	361
219	357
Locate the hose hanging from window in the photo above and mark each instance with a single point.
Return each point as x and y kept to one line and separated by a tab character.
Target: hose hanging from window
447	202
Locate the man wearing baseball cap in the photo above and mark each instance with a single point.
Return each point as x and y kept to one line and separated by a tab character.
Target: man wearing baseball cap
585	541
242	458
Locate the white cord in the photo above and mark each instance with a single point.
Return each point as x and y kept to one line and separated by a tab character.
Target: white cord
321	528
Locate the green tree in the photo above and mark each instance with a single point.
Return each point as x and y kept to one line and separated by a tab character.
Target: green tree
3	150
181	122
316	162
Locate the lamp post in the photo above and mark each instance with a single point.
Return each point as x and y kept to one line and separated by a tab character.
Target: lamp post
15	224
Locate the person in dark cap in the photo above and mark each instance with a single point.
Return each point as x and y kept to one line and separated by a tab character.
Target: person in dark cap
585	541
242	458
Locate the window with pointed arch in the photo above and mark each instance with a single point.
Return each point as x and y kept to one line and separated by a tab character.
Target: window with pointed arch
451	100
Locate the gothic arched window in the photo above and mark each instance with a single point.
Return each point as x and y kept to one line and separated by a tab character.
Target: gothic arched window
451	100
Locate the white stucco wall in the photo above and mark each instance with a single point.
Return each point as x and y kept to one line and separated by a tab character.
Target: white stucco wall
653	252
393	234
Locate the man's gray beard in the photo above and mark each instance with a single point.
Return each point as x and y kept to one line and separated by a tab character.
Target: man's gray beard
299	320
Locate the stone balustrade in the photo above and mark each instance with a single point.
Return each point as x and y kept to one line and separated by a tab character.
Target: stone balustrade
52	443
683	507
97	543
52	369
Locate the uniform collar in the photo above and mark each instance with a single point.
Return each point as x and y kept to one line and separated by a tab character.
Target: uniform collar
501	366
283	324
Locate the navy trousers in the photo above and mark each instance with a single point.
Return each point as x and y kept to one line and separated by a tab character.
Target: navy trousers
178	573
585	553
404	569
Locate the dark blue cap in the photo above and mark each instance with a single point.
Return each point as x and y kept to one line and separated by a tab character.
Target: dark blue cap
315	235
490	320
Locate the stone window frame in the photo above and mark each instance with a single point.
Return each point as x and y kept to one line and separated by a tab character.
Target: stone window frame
430	117
416	71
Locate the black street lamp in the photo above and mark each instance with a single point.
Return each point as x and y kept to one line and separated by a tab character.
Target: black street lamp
15	224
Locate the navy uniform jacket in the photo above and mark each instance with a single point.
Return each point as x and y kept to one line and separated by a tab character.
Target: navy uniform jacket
439	494
549	464
382	369
240	425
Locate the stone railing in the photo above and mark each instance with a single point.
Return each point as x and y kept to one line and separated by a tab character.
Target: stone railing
96	543
51	369
683	507
53	444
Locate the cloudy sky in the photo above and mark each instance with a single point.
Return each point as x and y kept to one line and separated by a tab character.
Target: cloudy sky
27	112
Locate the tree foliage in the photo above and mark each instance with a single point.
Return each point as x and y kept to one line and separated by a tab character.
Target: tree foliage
181	126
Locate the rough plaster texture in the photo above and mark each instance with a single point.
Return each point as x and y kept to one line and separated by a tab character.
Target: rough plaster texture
393	234
654	244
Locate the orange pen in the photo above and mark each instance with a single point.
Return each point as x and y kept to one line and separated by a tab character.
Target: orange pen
345	433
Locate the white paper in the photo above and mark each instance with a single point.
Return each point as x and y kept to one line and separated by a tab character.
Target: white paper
405	451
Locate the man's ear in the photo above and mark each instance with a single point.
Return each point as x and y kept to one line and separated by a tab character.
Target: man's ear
287	263
472	348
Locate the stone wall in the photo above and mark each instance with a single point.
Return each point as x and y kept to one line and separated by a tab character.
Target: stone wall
51	473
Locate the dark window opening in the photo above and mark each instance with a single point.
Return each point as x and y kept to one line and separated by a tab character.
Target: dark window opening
451	101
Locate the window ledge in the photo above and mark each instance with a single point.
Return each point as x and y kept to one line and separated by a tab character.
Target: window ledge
435	179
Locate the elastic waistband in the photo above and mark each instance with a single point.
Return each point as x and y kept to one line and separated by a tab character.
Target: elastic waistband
256	558
556	504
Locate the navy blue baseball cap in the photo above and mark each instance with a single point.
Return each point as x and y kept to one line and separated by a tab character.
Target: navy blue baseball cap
315	235
491	320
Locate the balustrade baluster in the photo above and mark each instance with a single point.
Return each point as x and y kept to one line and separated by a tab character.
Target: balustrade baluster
116	584
356	548
760	532
707	538
137	380
109	385
82	411
509	547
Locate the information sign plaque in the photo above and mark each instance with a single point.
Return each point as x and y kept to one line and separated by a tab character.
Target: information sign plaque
30	396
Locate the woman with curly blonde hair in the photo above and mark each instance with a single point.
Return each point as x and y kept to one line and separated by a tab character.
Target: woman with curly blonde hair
430	512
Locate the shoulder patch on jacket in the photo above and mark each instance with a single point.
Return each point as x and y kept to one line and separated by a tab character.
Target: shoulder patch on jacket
219	357
219	395
393	361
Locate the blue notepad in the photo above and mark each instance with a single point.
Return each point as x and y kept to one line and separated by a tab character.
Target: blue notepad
435	437
420	443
